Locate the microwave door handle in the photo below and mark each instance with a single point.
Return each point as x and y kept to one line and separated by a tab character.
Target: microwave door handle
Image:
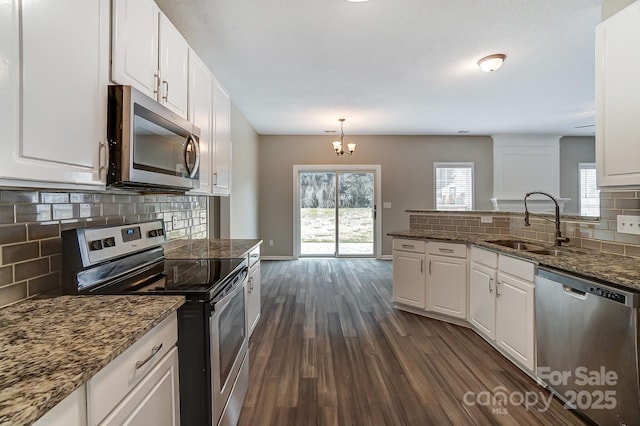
196	149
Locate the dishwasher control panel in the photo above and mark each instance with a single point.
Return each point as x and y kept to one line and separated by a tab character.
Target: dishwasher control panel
608	294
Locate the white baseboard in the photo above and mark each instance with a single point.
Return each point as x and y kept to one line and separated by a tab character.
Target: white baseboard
277	258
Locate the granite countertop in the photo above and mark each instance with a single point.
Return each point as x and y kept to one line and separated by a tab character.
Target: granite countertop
619	270
50	347
208	249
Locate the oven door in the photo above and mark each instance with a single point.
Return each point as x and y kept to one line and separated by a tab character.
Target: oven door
229	343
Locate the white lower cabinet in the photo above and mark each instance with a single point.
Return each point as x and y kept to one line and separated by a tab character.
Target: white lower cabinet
447	279
71	411
253	291
409	273
140	386
501	303
515	318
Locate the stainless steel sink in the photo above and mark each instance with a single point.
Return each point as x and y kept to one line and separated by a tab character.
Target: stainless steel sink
516	245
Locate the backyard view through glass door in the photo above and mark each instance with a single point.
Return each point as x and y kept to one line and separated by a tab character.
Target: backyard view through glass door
337	213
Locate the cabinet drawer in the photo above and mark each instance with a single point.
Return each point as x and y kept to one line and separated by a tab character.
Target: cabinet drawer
484	257
254	256
110	385
415	246
447	249
516	267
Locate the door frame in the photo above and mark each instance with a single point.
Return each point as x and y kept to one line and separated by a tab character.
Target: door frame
376	169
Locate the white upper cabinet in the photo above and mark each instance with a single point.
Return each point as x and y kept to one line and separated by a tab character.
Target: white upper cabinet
174	62
618	98
201	115
135	45
53	97
222	137
149	53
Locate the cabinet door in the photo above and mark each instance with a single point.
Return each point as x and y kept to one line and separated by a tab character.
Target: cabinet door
618	98
134	49
222	156
155	401
409	278
71	411
447	286
482	299
201	115
57	127
253	304
515	318
174	63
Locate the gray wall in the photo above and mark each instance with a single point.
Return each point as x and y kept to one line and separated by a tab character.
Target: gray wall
407	176
239	211
574	150
611	7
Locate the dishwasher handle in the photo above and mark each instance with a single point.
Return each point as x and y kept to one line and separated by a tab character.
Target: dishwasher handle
579	294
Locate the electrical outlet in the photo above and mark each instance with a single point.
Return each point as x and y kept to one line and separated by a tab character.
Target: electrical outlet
386	205
174	221
628	224
270	242
486	219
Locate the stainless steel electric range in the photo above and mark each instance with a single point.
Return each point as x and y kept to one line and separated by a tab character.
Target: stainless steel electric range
212	329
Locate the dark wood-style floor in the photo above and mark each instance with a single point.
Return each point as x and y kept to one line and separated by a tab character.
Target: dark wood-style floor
331	350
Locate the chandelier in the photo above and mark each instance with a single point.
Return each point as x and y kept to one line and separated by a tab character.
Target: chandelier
338	146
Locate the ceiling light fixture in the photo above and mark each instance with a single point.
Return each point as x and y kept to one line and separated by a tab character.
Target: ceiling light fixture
338	146
491	62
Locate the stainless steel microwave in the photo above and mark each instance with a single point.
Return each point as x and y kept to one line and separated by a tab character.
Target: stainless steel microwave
150	147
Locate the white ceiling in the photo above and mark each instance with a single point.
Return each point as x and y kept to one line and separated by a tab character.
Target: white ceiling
405	67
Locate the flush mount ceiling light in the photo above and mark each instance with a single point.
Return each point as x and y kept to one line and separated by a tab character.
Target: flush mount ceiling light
491	62
338	146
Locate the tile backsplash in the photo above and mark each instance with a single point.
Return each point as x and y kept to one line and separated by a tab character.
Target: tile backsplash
31	223
599	234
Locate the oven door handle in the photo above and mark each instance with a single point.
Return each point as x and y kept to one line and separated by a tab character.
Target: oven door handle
220	304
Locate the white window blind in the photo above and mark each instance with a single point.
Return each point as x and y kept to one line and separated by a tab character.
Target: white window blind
454	186
589	192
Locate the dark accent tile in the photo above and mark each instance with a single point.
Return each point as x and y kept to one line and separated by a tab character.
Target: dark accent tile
131	218
44	283
55	262
20	252
613	248
627	238
38	232
114	219
610	214
71	224
147	216
6	214
6	275
150	198
449	228
477	229
632	251
10	234
30	269
627	204
607	204
623	194
14	197
50	246
96	221
54	197
13	293
33	213
65	211
591	244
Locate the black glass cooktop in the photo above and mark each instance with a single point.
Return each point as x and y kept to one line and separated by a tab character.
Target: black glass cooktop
201	278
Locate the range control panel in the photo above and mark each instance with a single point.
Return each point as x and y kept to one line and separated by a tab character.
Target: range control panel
108	242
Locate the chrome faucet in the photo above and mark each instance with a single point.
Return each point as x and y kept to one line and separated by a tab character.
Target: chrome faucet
558	238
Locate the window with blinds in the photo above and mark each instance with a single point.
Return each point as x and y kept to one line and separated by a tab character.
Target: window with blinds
589	192
454	186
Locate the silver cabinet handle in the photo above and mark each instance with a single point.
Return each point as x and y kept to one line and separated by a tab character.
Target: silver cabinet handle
445	250
498	288
421	265
490	281
165	97
156	84
408	246
153	353
103	166
429	267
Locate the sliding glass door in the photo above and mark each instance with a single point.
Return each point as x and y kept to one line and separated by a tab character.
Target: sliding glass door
337	213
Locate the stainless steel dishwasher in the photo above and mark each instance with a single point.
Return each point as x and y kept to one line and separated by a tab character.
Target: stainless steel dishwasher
587	346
